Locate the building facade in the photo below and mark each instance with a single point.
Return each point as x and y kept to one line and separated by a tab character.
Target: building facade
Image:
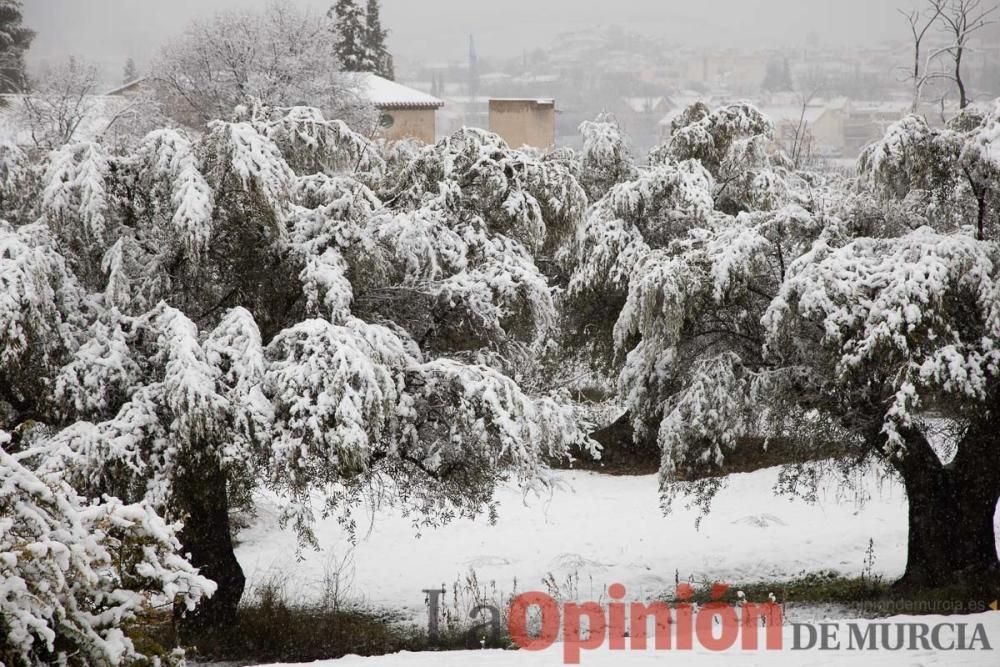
524	122
404	112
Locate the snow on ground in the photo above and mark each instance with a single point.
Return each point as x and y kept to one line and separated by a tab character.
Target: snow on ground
610	529
605	529
553	657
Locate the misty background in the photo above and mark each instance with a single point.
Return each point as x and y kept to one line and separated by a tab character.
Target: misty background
839	71
110	31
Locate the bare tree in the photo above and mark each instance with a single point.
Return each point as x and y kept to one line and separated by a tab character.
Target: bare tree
64	105
281	56
921	21
802	141
61	99
960	19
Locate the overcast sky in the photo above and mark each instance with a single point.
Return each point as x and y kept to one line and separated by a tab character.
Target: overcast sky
109	31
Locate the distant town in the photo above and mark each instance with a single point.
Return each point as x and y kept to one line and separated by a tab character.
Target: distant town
832	99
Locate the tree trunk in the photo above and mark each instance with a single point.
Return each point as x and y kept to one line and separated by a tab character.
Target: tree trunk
951	536
207	537
963	98
981	218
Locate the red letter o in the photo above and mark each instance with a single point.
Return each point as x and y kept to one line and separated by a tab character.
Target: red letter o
517	621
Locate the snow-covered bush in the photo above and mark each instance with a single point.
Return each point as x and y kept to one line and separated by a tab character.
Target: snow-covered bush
75	574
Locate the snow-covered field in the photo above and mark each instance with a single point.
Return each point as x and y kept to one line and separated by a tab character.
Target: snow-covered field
610	529
605	529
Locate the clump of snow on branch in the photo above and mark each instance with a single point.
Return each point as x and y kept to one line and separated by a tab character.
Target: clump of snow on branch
75	197
327	288
255	161
171	159
314	144
334	400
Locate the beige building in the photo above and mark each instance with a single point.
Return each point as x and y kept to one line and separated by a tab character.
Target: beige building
405	113
524	122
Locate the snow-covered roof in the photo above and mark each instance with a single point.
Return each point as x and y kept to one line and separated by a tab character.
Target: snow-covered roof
118	90
540	101
386	94
495	76
466	99
536	78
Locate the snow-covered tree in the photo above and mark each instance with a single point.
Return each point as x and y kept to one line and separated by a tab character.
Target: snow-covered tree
130	72
692	318
18	177
63	106
738	332
876	333
960	20
280	56
280	302
658	205
715	137
375	36
606	157
74	575
61	98
351	47
731	143
40	300
15	38
802	318
946	178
